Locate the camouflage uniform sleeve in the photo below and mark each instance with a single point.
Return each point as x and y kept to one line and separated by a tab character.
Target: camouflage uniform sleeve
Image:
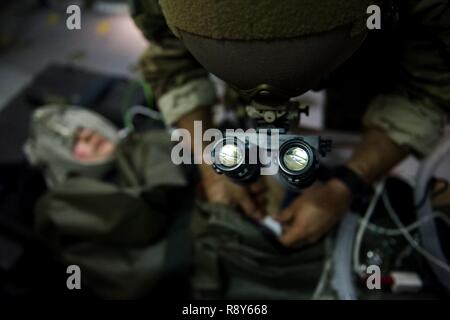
415	115
179	82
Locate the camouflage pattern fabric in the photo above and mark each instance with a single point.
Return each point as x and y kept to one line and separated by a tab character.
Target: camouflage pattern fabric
415	113
180	83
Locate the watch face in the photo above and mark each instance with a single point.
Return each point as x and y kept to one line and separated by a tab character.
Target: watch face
296	159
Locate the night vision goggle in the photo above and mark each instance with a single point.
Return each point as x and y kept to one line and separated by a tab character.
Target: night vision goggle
270	150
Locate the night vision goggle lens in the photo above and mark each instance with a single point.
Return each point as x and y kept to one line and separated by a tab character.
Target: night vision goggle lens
295	159
230	155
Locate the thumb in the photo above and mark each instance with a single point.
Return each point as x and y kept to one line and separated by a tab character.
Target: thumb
292	236
285	216
292	230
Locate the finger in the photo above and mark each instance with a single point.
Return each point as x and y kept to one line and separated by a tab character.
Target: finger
249	207
261	200
285	216
292	236
258	187
262	205
217	197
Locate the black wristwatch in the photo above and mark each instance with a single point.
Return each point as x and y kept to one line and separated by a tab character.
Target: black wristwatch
361	191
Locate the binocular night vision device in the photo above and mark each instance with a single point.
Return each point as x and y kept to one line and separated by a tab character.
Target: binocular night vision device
270	150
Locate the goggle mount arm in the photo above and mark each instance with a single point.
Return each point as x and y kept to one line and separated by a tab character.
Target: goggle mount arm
281	116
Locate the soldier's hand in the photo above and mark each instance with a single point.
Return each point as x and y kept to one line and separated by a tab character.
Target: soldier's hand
219	189
314	213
